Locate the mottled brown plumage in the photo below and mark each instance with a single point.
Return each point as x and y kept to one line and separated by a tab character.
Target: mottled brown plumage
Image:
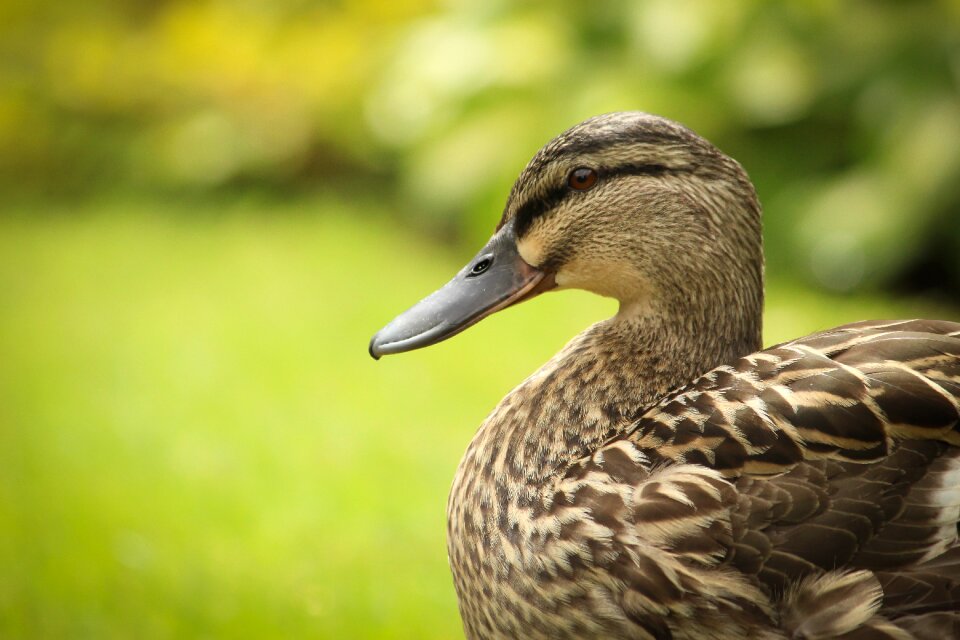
661	477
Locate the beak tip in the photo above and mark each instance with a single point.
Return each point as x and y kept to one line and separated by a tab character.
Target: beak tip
373	350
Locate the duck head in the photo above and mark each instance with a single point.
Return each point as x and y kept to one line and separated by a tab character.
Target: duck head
626	205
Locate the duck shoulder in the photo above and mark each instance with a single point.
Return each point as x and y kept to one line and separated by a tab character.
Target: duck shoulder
815	484
844	394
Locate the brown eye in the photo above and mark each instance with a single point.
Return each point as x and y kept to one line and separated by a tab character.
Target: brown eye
582	178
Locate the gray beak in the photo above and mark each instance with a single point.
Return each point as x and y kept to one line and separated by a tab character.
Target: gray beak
496	278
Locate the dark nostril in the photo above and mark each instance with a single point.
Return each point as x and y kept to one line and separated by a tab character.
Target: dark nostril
481	266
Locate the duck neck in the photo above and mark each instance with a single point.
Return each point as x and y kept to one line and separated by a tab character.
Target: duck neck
597	386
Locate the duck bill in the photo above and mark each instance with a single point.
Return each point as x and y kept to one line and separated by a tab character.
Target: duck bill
473	294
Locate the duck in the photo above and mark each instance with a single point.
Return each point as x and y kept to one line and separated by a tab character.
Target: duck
664	476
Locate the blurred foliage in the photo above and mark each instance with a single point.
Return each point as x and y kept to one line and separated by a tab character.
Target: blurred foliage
846	114
207	207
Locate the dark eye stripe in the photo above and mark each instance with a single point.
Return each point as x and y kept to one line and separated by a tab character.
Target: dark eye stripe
540	205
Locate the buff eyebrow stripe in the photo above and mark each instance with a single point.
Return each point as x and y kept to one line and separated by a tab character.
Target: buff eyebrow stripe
538	206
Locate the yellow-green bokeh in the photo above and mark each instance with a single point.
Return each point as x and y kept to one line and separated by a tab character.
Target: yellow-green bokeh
207	208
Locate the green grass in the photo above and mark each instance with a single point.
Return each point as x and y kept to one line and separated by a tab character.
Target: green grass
194	442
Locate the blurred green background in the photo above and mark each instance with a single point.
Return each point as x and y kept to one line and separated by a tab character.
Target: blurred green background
206	209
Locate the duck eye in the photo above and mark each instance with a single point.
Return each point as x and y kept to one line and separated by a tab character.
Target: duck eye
481	266
582	178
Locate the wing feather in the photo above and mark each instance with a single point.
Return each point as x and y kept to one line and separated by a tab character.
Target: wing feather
774	477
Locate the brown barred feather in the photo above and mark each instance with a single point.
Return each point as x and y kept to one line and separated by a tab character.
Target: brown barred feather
846	394
659	525
931	626
831	604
